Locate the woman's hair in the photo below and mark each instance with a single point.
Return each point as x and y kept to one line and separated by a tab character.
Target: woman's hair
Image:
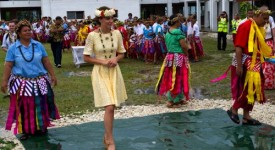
173	19
159	20
20	25
12	21
58	18
194	17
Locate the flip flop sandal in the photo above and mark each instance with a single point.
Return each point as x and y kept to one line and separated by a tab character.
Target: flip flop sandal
233	117
183	102
177	106
40	133
24	137
251	122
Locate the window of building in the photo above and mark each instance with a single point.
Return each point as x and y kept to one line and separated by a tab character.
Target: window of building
75	14
29	13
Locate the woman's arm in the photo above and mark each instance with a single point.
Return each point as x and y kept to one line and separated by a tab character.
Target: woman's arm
239	69
47	64
85	32
4	49
4	41
273	38
7	72
184	46
92	60
108	62
113	61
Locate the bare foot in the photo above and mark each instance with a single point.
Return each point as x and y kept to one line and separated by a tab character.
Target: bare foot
109	144
111	147
169	104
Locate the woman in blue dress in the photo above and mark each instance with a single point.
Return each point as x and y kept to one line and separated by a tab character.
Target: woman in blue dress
29	77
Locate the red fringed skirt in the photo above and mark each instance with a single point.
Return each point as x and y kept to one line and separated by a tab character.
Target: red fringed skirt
269	71
238	89
174	76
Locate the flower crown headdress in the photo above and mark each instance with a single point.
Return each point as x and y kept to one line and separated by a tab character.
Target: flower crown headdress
105	13
258	12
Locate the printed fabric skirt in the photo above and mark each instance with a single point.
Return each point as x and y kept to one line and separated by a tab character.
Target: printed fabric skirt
196	47
72	36
147	46
32	104
66	41
173	79
133	50
269	71
160	45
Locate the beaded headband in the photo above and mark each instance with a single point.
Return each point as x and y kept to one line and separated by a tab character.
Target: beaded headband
105	13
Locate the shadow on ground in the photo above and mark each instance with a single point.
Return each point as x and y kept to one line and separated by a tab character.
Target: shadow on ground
203	129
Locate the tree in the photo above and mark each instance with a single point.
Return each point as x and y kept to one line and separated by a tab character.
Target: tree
244	6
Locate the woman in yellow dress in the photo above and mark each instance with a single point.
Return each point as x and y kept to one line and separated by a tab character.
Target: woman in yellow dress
104	49
82	33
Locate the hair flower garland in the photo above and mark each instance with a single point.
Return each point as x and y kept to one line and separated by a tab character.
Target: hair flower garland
257	12
105	13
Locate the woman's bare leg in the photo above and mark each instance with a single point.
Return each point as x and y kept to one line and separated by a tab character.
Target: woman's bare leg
108	125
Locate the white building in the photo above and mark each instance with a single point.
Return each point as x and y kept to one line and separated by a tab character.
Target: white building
80	9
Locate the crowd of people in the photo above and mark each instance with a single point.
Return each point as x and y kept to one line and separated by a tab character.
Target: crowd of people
142	38
29	76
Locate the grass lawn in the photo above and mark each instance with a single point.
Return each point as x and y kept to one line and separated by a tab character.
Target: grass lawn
6	145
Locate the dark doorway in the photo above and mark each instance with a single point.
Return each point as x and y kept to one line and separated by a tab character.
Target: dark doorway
31	13
153	9
178	8
192	9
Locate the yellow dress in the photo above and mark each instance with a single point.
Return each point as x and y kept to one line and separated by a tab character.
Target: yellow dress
108	83
80	37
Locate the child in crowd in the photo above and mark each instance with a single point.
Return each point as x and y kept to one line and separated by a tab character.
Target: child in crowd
196	44
133	53
147	47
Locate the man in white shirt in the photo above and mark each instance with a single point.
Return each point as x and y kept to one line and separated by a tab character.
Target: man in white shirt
140	27
9	37
130	18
